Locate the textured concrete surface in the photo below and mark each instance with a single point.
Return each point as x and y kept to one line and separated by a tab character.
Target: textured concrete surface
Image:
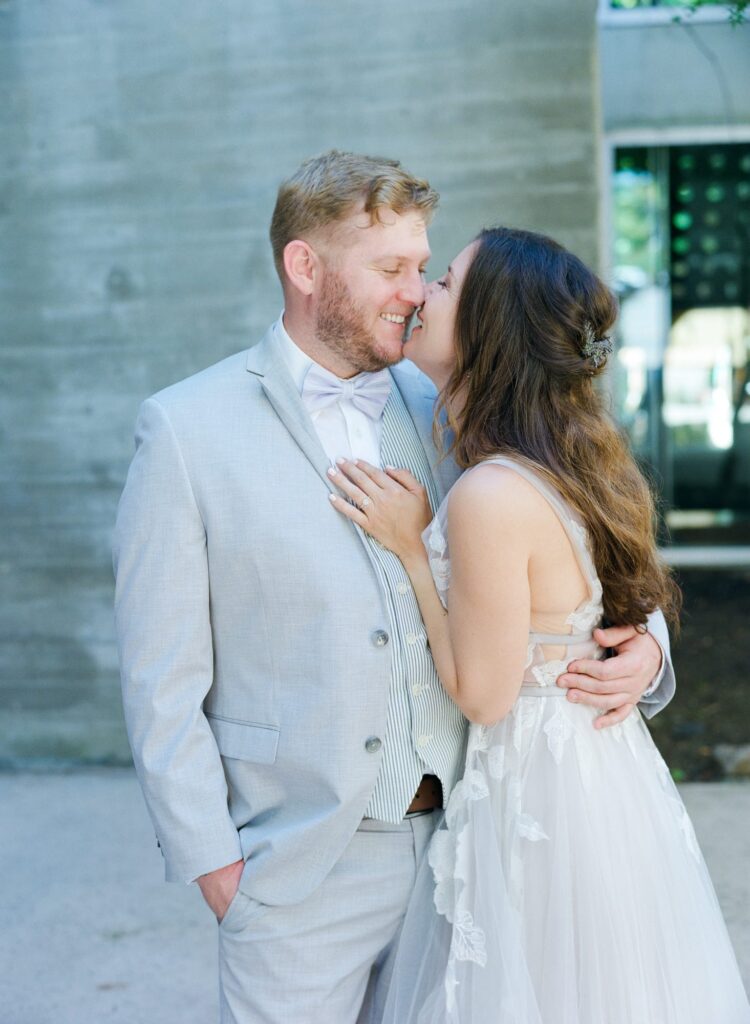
142	147
707	88
89	933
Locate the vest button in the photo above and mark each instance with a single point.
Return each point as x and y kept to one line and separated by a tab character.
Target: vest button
379	638
373	744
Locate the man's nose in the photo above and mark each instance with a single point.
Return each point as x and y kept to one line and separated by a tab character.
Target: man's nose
412	290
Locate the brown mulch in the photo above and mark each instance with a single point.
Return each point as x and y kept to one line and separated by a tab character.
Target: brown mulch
712	662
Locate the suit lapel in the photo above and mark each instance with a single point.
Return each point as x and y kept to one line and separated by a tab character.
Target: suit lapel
266	362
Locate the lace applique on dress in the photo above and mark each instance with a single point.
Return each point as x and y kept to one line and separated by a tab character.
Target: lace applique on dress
549	672
558	731
442	859
496	761
527	715
440	566
468	940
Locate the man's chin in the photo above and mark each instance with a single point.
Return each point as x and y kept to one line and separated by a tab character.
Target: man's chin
389	355
384	363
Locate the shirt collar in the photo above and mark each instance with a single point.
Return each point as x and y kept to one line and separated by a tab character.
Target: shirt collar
297	361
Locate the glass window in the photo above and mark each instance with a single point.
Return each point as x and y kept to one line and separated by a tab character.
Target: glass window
681	380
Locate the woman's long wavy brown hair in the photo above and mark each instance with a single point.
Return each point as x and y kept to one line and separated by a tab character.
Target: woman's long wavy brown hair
523	388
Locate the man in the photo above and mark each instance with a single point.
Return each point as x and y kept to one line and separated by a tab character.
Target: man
287	724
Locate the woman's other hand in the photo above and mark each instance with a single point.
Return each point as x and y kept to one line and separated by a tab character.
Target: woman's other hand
391	505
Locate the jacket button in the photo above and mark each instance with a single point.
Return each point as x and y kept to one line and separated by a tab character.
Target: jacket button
373	744
379	638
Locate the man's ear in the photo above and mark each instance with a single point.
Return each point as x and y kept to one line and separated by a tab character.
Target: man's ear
300	265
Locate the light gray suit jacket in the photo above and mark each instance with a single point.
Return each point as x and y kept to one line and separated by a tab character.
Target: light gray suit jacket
248	616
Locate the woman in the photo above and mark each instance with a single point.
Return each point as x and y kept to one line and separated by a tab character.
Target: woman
567	883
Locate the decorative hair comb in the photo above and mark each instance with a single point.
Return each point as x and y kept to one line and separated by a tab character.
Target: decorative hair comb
595	349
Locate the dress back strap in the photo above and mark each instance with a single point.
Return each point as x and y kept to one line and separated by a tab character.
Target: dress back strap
560	639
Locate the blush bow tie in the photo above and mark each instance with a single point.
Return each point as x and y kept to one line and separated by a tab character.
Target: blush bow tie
368	392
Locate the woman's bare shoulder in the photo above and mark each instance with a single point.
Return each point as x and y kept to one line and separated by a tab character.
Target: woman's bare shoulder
495	495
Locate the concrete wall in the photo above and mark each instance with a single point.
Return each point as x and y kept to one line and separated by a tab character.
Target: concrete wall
142	144
695	74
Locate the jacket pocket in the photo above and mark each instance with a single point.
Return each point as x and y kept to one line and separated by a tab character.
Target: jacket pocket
244	740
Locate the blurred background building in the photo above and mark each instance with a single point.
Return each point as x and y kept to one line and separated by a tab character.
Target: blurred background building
141	150
675	100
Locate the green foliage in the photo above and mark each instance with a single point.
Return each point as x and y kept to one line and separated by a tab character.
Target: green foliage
737	10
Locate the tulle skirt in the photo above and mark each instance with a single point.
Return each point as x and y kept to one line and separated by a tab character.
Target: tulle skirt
564	886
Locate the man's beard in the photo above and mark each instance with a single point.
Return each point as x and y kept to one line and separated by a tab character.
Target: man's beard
340	327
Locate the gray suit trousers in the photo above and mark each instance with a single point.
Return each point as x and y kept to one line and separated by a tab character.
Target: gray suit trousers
327	959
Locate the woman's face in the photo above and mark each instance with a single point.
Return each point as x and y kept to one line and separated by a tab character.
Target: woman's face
431	345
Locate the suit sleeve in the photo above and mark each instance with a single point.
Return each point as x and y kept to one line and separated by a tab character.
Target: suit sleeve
663	687
166	654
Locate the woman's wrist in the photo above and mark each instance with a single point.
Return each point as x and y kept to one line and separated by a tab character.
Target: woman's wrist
413	557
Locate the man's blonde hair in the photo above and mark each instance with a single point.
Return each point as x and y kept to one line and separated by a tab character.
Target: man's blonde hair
329	187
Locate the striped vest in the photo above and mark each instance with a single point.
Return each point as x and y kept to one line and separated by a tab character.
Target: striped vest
425	730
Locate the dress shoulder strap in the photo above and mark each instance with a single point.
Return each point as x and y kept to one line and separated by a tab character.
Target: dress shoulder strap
570	520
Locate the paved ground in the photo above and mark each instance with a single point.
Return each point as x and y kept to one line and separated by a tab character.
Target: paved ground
89	933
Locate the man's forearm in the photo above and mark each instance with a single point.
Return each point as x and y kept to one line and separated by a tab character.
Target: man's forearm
663	686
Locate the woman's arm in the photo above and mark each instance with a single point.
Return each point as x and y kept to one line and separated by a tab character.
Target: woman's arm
493	517
479	648
394	509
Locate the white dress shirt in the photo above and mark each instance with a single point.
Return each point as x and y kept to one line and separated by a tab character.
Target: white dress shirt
344	430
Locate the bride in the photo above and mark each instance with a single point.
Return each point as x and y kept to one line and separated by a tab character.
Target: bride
565	885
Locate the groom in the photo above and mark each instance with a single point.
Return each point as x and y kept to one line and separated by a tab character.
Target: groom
287	724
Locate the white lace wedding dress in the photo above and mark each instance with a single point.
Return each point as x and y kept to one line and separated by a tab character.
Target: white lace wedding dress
565	885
